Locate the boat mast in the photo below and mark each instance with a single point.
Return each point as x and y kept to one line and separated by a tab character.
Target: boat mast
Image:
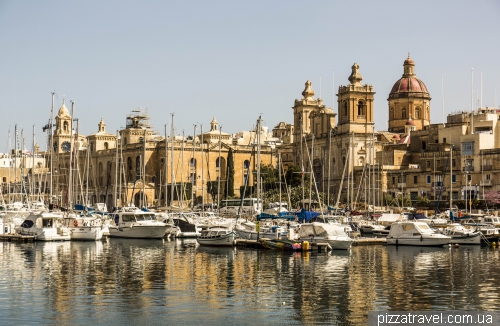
70	179
115	190
182	171
144	199
166	168
193	164
220	167
258	163
172	177
51	150
202	170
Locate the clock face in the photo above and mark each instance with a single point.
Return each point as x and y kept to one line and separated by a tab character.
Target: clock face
66	146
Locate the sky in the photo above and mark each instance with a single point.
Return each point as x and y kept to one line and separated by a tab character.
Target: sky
234	60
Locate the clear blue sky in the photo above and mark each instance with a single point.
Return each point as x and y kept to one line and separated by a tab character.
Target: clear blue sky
233	59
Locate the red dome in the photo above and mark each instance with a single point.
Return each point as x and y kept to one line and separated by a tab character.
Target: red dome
410	122
408	85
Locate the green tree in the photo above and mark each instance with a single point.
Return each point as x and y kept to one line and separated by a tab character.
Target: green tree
230	174
293	176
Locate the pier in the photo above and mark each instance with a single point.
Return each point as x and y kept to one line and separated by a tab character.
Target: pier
17	237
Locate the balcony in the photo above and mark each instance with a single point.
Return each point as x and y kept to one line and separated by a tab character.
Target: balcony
485	183
468	168
487	167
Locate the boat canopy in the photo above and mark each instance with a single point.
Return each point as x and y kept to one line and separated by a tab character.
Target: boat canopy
316	229
305	216
389	218
280	215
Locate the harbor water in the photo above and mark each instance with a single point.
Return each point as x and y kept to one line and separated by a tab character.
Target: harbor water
177	282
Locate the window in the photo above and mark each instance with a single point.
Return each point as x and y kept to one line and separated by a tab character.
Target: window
424	145
453	178
192	178
444	140
417	113
453	163
428	164
404	113
106	145
345	108
246	164
393	180
488	177
468	148
361	108
428	179
469	178
392	113
415	179
192	163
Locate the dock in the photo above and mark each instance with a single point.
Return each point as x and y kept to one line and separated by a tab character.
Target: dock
369	241
245	243
17	237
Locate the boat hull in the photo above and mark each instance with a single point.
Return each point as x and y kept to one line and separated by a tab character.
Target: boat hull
138	232
226	240
86	233
340	243
419	241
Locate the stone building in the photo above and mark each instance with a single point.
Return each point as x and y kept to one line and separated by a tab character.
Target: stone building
139	166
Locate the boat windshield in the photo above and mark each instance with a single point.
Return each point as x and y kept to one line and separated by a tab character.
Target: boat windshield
128	218
424	227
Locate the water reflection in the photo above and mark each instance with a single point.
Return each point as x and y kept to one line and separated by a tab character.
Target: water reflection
152	281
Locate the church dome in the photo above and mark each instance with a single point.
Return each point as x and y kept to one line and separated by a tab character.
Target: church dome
410	122
63	111
409	84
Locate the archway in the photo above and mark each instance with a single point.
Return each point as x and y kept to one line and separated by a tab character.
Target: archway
140	199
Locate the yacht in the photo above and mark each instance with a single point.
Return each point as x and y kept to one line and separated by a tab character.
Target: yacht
84	227
334	234
46	226
462	235
217	236
134	223
415	234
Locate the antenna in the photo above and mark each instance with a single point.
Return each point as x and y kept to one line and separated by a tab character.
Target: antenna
481	102
442	93
319	86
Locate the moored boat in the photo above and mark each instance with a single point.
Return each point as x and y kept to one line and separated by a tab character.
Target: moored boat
137	224
46	226
415	234
217	236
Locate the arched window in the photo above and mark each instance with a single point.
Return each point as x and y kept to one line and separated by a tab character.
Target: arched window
125	141
129	168
417	112
65	126
361	108
106	145
101	183
220	162
192	163
137	167
246	164
391	114
404	113
345	109
361	161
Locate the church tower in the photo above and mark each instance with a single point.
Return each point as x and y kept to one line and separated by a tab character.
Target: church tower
62	134
409	99
302	110
355	105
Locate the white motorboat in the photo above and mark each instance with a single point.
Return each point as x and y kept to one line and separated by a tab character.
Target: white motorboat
334	234
137	224
217	236
84	228
46	226
415	234
248	230
185	225
462	235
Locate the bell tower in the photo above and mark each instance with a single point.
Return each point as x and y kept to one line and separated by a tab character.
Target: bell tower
62	134
355	105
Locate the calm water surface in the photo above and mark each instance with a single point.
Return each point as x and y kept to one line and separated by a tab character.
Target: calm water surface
137	282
